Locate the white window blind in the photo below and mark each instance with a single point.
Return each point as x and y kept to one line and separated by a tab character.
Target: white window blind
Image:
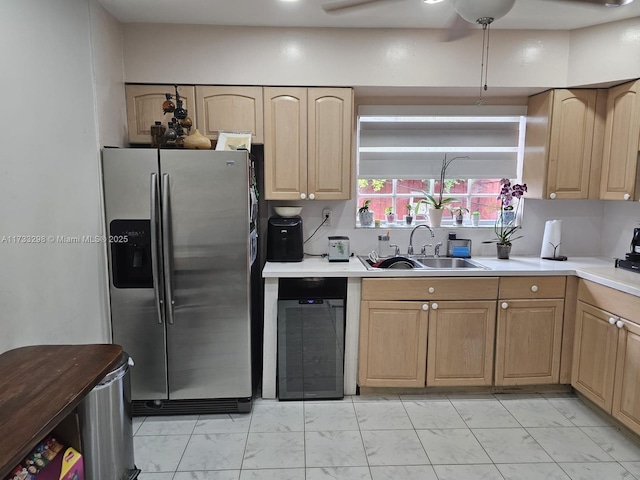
410	142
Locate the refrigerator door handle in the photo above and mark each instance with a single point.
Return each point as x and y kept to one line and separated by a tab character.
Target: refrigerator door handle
167	248
156	260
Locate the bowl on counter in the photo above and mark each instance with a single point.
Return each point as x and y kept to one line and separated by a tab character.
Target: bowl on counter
287	211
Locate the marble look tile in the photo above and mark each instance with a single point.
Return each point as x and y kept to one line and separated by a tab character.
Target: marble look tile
510	445
614	442
633	467
526	471
433	414
273	474
136	422
569	444
411	472
321	417
452	446
155	476
536	412
382	416
169	425
274	450
484	413
579	413
375	398
423	397
338	473
394	447
278	417
216	451
467	472
223	423
596	471
334	449
159	453
208	475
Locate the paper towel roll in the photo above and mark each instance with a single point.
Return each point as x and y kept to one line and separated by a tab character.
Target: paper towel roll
551	236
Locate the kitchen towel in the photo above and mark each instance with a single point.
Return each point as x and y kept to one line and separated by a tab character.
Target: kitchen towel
551	236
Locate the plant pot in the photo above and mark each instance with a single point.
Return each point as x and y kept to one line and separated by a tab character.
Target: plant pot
458	219
503	251
408	219
435	216
475	220
391	218
366	218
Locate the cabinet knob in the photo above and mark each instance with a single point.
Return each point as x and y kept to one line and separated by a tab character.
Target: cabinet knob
303	196
534	288
425	306
627	196
312	196
434	306
612	321
504	305
432	290
619	324
552	196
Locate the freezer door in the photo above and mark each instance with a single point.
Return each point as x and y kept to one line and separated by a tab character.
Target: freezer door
135	320
206	206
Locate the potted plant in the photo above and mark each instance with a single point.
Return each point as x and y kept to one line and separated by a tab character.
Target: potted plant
391	217
475	218
457	213
504	229
437	202
411	210
365	215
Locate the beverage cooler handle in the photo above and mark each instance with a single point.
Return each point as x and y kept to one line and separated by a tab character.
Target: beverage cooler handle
167	246
156	259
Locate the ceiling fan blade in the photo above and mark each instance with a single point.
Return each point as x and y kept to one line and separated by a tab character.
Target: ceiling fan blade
458	28
601	3
339	7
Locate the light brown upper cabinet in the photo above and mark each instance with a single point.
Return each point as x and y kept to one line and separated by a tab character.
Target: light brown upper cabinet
144	108
563	143
621	143
228	108
308	143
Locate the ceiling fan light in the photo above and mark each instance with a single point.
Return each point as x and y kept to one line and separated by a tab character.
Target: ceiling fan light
472	10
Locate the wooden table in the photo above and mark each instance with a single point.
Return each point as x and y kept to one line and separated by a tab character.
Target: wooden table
40	386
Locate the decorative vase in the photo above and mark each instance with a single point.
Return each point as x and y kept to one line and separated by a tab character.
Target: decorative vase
503	251
408	219
197	141
366	218
435	216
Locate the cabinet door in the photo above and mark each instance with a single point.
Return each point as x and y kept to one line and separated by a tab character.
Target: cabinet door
460	344
285	144
528	342
622	131
393	344
594	355
626	393
570	147
224	108
144	108
329	137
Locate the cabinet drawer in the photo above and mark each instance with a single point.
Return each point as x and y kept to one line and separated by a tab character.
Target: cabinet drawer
619	303
425	289
532	287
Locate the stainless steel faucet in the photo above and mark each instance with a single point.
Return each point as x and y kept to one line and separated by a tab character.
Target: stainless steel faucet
436	251
410	247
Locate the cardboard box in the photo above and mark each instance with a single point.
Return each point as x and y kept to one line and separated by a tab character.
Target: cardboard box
50	460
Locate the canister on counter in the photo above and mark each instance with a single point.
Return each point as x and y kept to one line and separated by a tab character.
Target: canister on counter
384	250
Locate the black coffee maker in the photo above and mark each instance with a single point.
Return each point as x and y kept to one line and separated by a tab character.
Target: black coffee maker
284	239
632	259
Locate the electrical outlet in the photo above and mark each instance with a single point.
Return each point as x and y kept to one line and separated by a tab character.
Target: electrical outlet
326	213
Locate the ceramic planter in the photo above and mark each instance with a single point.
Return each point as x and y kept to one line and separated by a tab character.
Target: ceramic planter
503	251
366	218
435	216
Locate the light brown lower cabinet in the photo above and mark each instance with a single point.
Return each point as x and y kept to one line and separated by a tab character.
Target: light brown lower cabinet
626	387
460	344
528	342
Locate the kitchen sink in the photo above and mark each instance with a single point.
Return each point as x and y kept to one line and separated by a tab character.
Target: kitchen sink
419	263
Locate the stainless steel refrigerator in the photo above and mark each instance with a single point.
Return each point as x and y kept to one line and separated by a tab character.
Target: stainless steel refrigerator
182	242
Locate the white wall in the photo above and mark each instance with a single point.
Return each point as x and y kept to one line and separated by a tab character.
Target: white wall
49	176
619	220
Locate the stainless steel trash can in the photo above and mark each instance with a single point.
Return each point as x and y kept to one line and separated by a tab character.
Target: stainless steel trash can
106	427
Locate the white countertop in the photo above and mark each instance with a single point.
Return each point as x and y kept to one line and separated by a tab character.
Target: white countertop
597	269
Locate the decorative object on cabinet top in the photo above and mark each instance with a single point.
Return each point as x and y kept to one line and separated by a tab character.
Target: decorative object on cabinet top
234	141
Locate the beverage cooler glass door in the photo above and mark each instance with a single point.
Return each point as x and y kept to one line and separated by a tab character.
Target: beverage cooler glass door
310	349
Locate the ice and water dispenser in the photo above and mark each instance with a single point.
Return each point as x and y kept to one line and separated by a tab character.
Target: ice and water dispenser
130	242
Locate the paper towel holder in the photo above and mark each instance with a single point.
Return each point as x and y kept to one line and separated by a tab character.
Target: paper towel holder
559	258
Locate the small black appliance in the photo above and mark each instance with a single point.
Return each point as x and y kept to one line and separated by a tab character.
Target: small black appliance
284	239
632	259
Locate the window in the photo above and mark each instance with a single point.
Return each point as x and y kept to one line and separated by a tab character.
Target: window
400	153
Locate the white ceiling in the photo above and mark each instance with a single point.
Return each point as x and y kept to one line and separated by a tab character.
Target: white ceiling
526	14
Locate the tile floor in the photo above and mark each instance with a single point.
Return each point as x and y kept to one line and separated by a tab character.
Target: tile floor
435	437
